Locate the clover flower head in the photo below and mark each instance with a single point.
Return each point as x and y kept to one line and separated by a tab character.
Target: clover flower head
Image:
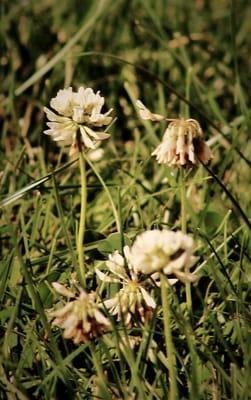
183	141
182	144
77	112
81	317
163	251
132	303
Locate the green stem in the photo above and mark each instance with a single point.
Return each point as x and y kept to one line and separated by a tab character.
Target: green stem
115	212
62	221
188	87
184	230
183	201
81	229
102	382
168	339
189	298
195	362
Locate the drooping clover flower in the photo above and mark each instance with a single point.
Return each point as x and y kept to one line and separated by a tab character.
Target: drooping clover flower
132	302
81	317
77	112
163	251
183	141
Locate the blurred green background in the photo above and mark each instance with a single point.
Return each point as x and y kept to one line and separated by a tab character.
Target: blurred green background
165	36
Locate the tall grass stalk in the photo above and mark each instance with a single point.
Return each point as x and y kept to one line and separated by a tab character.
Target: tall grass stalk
184	230
183	188
62	221
82	221
173	393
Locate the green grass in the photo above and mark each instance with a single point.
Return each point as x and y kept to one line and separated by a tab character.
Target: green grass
127	50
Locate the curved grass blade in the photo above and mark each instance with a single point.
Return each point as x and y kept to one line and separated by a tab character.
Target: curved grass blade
96	11
34	185
229	195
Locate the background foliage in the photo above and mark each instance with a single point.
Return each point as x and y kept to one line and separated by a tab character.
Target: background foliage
160	51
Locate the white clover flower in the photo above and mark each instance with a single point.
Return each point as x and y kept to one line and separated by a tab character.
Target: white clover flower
77	112
163	251
80	318
183	141
132	303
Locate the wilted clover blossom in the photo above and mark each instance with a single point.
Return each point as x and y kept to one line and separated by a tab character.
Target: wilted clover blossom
183	141
81	318
77	112
132	303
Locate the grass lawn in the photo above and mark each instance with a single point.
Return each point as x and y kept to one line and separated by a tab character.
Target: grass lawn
125	274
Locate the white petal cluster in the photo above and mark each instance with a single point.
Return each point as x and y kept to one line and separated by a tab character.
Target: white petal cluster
183	141
77	112
182	144
81	318
163	251
132	303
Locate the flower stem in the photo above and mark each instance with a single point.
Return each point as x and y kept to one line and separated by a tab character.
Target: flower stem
115	212
184	230
81	229
168	339
62	222
188	87
183	201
